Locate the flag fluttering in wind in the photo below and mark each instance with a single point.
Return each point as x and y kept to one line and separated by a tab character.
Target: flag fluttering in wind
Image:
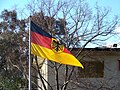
45	46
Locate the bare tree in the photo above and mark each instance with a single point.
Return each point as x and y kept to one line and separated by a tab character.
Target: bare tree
80	25
73	23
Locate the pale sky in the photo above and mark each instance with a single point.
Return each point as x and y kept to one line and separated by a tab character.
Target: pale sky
114	5
118	30
10	4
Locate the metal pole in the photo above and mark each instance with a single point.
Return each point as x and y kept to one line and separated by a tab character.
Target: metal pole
29	85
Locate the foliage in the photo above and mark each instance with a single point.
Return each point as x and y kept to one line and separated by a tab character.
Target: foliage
73	23
12	50
80	27
13	83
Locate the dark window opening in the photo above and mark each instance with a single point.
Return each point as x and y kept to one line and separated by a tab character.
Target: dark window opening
119	64
92	69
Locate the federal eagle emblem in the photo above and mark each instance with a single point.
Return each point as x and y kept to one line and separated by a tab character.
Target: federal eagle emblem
56	46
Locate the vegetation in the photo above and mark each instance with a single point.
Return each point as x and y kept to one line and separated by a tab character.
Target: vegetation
72	23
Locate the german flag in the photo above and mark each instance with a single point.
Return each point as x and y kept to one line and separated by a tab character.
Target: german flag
45	46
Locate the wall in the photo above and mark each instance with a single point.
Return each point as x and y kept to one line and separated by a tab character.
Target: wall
111	79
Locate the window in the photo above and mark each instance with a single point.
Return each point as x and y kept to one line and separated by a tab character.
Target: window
92	69
119	65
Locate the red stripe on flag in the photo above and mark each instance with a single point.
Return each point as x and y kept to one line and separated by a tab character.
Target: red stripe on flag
65	50
41	40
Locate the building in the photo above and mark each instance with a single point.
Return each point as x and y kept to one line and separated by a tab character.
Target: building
102	70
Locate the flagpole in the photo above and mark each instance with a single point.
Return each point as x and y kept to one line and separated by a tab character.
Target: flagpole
29	79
